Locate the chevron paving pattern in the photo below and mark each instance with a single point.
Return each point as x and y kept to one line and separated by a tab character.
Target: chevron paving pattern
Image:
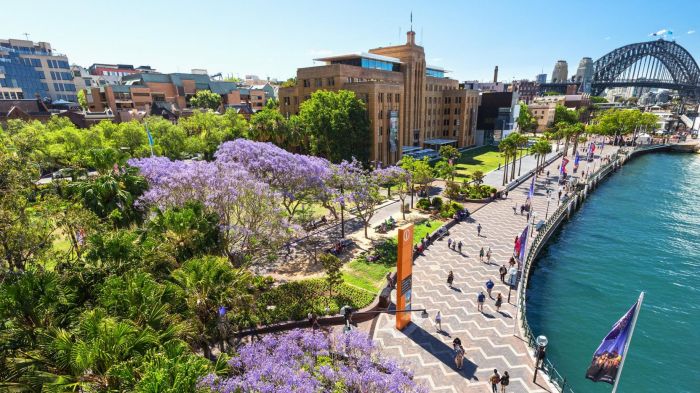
487	337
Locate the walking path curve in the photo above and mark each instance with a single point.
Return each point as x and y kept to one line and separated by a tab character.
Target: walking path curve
487	337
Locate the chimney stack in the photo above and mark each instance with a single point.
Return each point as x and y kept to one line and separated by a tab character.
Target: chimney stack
495	75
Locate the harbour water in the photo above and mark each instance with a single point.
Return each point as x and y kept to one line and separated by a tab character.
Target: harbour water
639	231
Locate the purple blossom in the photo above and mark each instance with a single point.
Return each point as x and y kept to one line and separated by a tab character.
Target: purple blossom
306	361
296	177
252	223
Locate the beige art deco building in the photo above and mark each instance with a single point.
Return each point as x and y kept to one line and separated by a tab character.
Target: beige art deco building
412	106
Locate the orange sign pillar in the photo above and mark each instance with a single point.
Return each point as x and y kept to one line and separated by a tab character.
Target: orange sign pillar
404	269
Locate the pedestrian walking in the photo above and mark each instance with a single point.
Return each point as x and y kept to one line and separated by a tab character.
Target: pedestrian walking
547	172
481	254
438	321
489	287
499	301
449	242
506	193
515	209
480	299
459	247
478	229
495	379
505	380
450	278
512	261
389	280
456	342
522	209
502	271
459	357
488	255
313	321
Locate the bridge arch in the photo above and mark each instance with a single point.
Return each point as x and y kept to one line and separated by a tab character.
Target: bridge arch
660	64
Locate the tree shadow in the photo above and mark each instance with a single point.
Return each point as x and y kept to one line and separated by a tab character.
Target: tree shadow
440	350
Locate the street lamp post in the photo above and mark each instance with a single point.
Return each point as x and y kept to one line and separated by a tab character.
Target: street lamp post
532	224
540	353
549	199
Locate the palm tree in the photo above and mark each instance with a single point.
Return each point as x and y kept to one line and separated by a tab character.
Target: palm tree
505	147
521	141
112	195
540	149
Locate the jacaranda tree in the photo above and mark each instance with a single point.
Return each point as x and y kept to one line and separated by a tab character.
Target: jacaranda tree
308	361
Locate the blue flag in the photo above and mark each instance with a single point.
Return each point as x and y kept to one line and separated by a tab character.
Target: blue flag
607	359
576	159
531	193
150	137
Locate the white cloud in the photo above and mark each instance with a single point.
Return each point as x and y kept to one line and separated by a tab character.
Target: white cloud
691	31
320	52
607	38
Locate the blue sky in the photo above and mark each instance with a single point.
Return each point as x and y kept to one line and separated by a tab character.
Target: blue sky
273	38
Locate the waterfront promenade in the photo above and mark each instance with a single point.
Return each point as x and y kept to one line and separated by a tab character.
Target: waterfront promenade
487	337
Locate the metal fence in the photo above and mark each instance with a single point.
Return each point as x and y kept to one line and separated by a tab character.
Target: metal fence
538	242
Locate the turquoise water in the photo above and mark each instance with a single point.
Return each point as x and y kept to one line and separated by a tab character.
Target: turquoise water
639	231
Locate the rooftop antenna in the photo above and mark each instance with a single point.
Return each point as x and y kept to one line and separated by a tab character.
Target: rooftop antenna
411	20
26	35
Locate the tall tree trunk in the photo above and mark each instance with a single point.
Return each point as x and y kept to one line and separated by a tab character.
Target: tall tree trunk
505	170
575	144
512	174
520	165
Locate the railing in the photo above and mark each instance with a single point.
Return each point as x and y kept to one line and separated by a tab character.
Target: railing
552	223
538	242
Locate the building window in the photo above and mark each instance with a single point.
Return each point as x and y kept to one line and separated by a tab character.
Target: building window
331	81
381	129
381	97
381	114
397	97
306	83
286	100
388	97
319	82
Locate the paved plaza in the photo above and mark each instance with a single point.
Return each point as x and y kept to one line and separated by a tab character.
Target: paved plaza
487	337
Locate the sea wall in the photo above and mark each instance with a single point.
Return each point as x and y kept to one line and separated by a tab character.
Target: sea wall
553	223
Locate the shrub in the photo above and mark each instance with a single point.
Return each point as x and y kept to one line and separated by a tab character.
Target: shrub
296	299
423	203
449	210
452	190
437	202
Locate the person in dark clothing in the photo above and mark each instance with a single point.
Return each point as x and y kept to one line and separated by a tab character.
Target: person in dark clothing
450	278
502	271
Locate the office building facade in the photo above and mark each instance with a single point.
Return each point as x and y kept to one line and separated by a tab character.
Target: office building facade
166	94
36	69
411	105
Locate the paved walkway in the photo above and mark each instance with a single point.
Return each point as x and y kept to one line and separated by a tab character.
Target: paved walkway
487	337
495	177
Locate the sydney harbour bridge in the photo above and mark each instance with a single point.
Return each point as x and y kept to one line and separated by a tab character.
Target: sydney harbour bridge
654	64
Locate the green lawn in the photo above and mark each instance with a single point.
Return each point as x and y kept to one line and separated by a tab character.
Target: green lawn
371	276
366	275
484	158
424	228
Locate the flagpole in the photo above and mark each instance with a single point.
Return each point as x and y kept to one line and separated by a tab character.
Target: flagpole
627	344
521	272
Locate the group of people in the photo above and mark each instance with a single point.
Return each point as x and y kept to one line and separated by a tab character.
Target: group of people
454	245
486	255
495	379
481	298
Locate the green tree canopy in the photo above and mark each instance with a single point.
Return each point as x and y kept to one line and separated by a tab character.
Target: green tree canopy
337	125
205	99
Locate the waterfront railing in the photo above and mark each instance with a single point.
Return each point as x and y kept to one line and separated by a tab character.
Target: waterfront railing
551	224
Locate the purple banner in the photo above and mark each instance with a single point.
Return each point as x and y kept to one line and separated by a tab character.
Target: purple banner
607	358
